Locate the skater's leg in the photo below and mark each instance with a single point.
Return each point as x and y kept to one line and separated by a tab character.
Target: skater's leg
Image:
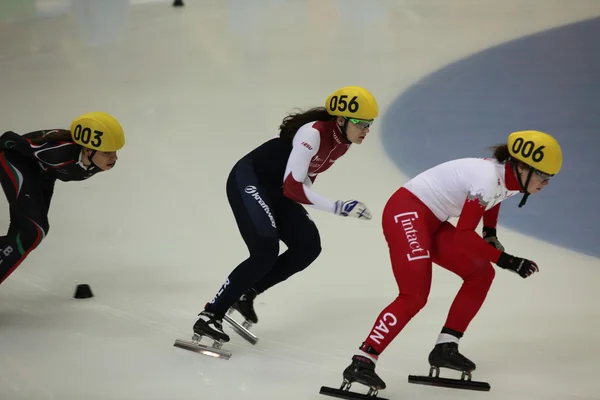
408	226
301	236
253	213
25	192
477	276
256	222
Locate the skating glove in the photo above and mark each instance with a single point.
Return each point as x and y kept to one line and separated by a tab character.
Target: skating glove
489	234
520	266
352	208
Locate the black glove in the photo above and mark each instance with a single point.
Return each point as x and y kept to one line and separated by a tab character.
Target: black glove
489	234
521	266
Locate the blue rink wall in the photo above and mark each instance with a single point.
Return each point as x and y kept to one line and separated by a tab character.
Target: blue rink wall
549	81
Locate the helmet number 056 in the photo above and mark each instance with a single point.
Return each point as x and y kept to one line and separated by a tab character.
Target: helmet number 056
526	149
85	136
341	103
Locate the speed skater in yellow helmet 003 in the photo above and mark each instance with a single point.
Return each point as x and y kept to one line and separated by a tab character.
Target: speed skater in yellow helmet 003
98	131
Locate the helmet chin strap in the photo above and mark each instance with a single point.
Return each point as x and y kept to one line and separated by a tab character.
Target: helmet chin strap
92	164
523	186
344	128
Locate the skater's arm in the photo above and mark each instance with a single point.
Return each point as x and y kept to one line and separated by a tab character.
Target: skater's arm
490	220
308	182
490	217
57	154
16	143
472	213
305	146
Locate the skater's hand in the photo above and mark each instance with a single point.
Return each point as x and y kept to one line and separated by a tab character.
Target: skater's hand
489	235
352	208
520	266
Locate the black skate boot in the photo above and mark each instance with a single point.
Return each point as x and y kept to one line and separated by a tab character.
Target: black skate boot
208	325
361	370
245	306
211	326
446	355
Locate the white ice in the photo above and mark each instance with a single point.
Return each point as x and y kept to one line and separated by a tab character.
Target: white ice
196	88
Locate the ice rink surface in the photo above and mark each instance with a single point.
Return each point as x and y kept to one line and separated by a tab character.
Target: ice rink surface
197	88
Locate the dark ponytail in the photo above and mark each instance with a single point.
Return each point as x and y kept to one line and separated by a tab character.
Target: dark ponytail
290	124
500	152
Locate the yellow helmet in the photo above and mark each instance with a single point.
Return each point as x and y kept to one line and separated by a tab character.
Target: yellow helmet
536	149
98	131
352	102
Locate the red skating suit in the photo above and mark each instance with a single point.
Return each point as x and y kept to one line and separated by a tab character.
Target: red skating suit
316	146
418	234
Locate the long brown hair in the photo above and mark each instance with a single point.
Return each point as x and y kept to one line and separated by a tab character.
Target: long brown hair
58	135
290	124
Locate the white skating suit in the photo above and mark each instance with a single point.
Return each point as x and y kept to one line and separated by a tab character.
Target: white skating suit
470	189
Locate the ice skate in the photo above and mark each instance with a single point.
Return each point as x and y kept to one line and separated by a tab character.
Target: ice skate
446	355
244	306
208	325
361	370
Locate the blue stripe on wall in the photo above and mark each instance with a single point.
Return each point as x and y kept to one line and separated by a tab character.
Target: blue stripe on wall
548	81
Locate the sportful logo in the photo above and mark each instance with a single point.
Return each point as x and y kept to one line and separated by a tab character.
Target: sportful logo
416	252
252	191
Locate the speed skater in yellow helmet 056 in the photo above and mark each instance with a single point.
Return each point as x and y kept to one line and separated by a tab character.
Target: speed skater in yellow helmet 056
268	190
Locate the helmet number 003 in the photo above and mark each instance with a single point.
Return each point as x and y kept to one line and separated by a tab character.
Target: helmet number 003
525	148
85	136
341	104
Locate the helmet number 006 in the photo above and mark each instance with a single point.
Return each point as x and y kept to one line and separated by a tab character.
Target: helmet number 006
526	149
85	135
341	104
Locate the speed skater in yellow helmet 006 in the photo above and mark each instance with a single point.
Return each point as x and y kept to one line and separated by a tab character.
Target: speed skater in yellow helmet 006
536	149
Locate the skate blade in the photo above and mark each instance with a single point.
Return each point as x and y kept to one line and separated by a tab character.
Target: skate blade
241	330
449	383
202	349
346	394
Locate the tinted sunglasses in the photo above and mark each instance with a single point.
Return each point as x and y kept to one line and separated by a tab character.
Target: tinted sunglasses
361	123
